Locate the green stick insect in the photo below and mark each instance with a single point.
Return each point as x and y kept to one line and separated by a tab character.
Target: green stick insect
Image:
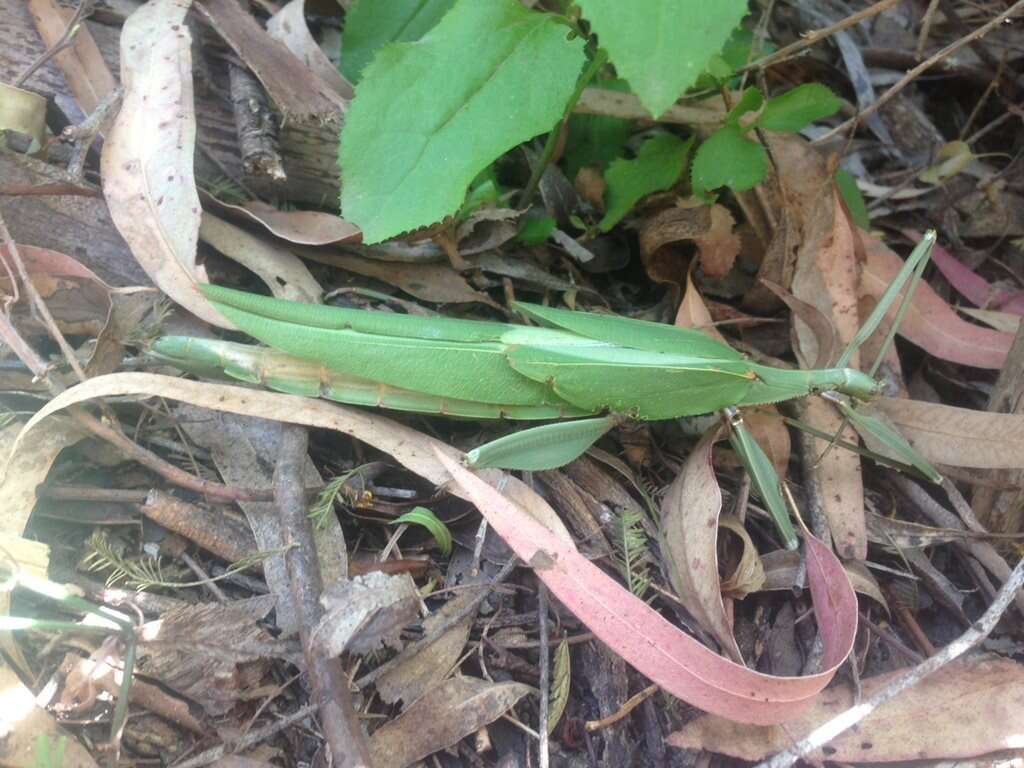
593	370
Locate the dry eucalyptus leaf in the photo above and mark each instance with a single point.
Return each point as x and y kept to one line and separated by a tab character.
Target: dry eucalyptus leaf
748	575
966	709
147	159
282	271
444	716
409	679
295	226
289	26
689	538
958	437
782	569
366	613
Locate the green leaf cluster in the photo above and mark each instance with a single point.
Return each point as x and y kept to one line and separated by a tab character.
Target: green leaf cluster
445	87
429	116
733	157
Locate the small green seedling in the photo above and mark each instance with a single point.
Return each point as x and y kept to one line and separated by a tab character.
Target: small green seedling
595	369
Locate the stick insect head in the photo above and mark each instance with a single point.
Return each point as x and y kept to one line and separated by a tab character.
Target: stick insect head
857	384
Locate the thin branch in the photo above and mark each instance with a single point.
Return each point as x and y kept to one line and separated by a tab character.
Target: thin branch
925	65
816	36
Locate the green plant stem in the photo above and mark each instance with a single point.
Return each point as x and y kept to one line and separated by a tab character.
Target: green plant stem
599	60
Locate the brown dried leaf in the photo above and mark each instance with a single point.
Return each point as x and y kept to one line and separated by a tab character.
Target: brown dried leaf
78	300
411	678
366	613
443	717
289	26
966	709
748	575
694	313
299	93
282	271
710	228
959	437
298	227
436	283
213	653
689	539
828	278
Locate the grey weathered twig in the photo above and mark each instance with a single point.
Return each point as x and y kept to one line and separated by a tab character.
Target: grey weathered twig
978	632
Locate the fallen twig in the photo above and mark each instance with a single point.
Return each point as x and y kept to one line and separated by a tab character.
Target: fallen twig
978	632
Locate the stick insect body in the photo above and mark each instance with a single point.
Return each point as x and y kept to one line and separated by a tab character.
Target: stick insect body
589	370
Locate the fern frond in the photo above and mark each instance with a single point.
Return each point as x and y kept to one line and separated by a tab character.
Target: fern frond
632	551
324	503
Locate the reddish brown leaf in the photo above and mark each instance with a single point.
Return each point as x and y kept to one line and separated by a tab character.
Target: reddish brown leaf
656	648
930	322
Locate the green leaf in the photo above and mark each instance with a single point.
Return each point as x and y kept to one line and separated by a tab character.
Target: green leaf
561	677
750	101
371	24
596	139
429	116
536	230
853	198
426	518
657	166
547	447
796	109
728	159
662	46
763	478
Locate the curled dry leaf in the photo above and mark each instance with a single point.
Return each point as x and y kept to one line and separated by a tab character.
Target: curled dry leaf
289	26
958	437
966	709
748	575
298	227
147	159
656	648
76	297
282	271
709	227
689	539
929	321
443	717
